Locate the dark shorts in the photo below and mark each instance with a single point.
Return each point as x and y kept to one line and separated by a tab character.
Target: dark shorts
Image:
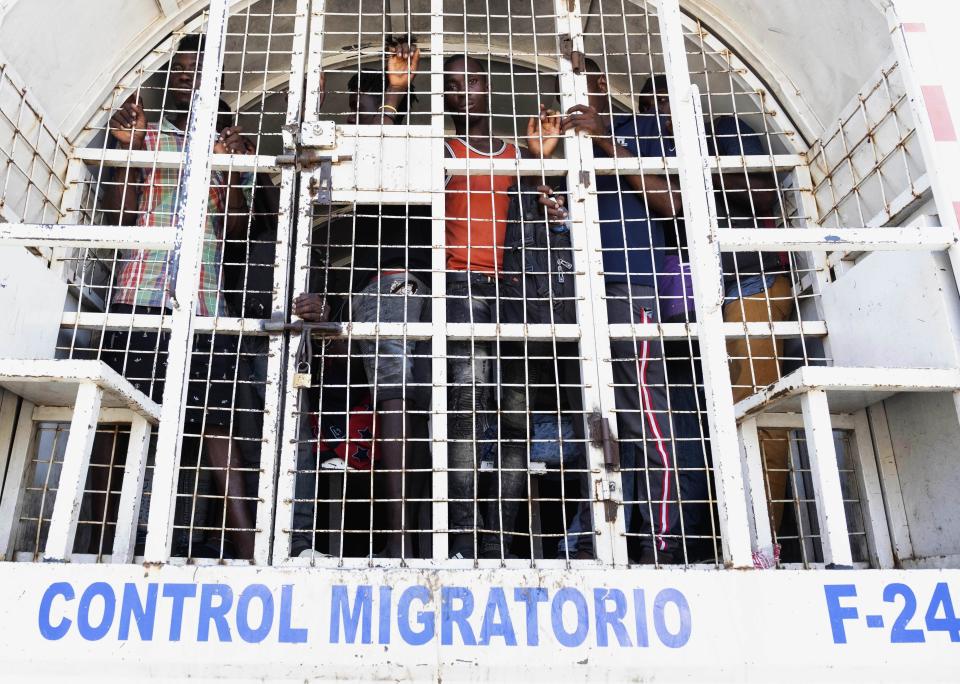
220	378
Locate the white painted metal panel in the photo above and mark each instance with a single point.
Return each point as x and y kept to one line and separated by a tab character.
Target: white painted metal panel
585	626
897	309
54	382
924	436
31	298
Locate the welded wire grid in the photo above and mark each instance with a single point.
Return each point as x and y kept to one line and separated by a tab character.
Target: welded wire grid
126	182
97	521
357	48
217	494
218	484
791	502
514	471
33	157
868	169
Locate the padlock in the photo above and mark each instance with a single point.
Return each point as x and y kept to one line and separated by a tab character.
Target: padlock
302	378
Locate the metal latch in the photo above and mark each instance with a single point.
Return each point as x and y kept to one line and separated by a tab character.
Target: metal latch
601	437
606	491
321	185
315	329
305	157
577	59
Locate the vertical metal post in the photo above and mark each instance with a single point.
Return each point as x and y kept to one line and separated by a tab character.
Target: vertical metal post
190	221
273	409
700	214
12	495
131	491
890	484
597	374
762	537
289	442
438	425
8	418
73	473
822	452
924	78
868	477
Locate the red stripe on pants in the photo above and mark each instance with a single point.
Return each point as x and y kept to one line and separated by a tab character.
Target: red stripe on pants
658	438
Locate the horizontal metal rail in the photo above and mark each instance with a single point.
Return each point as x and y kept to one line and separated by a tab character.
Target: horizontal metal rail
119	158
455	331
834	239
90	237
114	158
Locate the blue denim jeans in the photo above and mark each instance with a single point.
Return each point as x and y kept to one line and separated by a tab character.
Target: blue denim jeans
389	361
486	392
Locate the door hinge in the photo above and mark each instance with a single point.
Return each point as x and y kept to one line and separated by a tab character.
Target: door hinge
606	492
602	437
577	60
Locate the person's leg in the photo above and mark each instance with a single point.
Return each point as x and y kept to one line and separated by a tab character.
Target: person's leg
578	540
389	364
212	403
755	363
644	420
303	535
521	374
692	461
228	476
469	368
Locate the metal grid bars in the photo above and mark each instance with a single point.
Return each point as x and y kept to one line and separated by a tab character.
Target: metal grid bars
792	505
139	291
869	170
33	157
456	294
96	526
405	302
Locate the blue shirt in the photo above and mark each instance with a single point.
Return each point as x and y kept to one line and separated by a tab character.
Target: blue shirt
733	137
633	246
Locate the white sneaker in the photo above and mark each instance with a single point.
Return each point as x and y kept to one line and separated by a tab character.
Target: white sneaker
312	553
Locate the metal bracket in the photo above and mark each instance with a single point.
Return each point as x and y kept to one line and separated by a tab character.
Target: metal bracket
577	59
605	492
602	437
321	185
321	134
313	145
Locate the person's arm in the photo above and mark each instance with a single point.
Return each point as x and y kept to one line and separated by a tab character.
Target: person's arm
402	63
231	141
543	134
754	194
661	192
128	126
311	307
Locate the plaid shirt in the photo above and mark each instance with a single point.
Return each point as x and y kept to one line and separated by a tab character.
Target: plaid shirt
144	275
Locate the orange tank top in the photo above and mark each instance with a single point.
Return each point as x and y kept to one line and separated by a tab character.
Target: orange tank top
477	212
